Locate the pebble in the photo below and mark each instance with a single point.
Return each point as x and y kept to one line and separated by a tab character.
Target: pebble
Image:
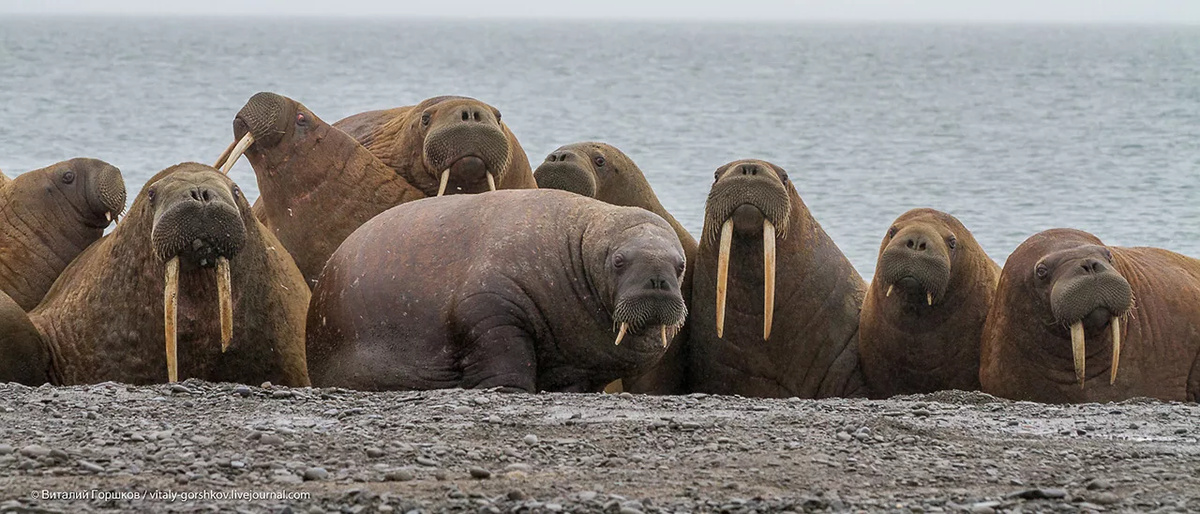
1104	498
426	461
91	466
180	389
587	496
271	439
243	391
375	453
494	419
842	436
279	395
1099	484
316	474
6	449
480	473
1039	494
629	510
462	409
400	475
34	450
482	400
516	496
530	439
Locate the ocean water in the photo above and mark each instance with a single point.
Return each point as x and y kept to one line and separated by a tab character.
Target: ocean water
1013	129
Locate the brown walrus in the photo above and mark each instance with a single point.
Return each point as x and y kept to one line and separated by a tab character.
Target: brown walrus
445	145
23	357
316	183
422	297
923	316
743	341
1078	321
603	172
189	264
47	217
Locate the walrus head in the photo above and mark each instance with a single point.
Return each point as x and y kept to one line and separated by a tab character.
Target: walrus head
1077	290
595	170
750	199
197	225
643	266
264	123
917	256
93	188
464	148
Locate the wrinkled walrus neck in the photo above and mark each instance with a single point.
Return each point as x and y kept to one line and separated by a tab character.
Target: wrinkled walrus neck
35	254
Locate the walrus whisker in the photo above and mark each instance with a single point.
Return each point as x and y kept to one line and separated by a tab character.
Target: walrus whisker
445	180
723	273
1078	350
768	277
225	299
621	334
237	152
491	182
224	155
1116	347
170	309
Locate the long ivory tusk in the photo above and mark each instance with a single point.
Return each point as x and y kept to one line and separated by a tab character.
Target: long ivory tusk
768	277
225	299
664	336
723	273
237	152
1116	359
621	334
224	155
491	182
1078	350
889	291
170	308
445	180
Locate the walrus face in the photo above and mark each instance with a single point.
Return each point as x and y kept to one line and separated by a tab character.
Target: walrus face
463	143
1086	295
196	225
265	125
916	259
93	187
573	168
646	268
748	198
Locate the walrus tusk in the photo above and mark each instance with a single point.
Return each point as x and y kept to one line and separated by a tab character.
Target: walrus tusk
445	180
723	273
1078	350
664	336
889	291
491	182
929	298
225	299
768	277
108	216
224	155
237	152
170	308
621	334
1116	359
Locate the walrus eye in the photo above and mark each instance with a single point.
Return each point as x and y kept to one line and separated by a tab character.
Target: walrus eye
679	268
892	231
952	242
1041	271
301	120
68	177
599	160
237	193
618	261
150	195
425	119
1108	254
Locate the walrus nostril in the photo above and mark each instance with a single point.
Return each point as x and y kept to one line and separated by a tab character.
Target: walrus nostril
476	115
466	116
658	284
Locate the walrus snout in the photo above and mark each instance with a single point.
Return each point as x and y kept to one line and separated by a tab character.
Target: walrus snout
105	188
1087	295
467	131
917	261
263	121
566	170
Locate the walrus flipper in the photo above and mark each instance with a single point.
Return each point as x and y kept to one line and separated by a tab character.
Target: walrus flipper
24	357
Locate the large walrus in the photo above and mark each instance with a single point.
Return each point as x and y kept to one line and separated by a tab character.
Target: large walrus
603	172
1070	312
23	357
761	243
923	316
445	145
47	217
423	297
189	265
316	183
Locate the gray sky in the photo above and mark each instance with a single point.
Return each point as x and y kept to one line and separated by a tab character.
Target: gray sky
1108	11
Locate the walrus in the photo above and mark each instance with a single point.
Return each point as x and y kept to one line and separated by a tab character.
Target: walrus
1077	321
316	183
759	243
923	315
190	267
445	145
47	217
423	297
603	172
23	357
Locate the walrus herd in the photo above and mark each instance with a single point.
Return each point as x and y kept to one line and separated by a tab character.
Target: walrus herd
416	248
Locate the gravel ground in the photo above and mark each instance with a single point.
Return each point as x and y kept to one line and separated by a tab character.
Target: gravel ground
483	451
